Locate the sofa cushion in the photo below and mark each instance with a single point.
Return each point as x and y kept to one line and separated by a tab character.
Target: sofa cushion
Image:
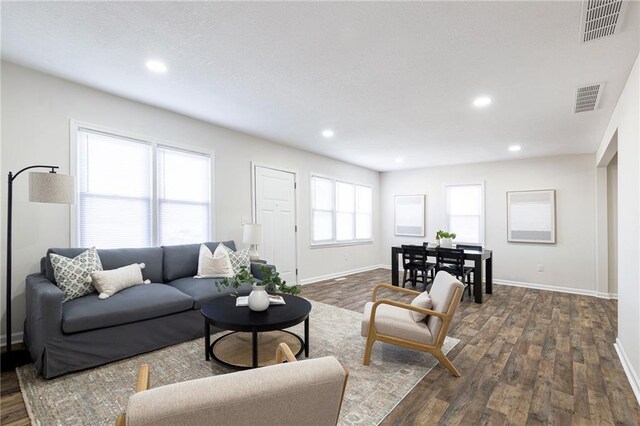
396	322
203	290
129	305
182	260
116	258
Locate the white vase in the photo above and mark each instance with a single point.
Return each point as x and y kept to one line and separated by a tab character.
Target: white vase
259	298
446	242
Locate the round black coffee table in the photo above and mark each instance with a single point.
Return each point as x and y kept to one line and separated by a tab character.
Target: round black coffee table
223	313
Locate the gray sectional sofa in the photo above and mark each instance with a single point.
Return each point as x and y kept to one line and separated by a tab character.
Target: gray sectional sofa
87	332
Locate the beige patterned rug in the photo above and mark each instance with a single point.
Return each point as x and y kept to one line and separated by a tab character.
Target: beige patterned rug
96	396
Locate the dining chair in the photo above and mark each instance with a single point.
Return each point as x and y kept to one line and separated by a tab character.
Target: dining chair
474	247
452	261
414	262
393	322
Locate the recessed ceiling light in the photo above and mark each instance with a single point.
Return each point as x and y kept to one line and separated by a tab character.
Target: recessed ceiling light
482	101
515	148
156	66
399	160
328	133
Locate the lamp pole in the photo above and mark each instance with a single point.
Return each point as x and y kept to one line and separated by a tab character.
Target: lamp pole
10	358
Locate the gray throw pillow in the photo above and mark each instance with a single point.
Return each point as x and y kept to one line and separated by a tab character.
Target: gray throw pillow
72	275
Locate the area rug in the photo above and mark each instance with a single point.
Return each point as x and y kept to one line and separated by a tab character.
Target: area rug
96	396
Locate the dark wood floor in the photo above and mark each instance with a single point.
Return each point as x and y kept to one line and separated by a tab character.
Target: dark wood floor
526	357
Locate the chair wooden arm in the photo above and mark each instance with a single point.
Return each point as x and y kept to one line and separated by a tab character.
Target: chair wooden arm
394	288
404	306
283	352
143	383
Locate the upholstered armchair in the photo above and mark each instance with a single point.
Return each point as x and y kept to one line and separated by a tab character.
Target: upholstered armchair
306	392
392	322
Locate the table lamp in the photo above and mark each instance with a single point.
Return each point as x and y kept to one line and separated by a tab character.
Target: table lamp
252	235
45	187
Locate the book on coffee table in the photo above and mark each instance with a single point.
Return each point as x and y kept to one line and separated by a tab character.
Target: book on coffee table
273	300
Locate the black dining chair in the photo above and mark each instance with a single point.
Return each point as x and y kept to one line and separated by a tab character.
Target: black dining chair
473	247
452	261
414	262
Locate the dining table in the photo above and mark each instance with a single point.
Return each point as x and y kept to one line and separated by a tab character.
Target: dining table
478	257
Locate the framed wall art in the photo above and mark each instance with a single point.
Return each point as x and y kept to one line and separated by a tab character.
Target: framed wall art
409	215
531	216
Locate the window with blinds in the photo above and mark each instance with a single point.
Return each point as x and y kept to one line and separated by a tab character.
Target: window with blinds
117	205
464	213
341	211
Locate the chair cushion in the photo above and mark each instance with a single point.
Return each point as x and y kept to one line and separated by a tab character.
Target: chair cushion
129	305
423	300
203	290
116	258
397	322
442	290
182	260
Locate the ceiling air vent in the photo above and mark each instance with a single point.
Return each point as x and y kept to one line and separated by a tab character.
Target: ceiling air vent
587	97
600	18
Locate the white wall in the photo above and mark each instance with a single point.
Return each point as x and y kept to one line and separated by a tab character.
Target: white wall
568	264
612	225
625	120
36	109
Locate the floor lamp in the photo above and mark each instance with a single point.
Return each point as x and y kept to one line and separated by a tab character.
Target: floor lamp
44	187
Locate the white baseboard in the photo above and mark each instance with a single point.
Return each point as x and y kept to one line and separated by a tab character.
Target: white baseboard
544	287
559	289
632	375
15	338
339	274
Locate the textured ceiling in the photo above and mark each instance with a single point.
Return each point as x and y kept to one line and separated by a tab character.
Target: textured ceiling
391	79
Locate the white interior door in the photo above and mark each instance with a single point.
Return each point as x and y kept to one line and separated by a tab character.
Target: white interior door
275	210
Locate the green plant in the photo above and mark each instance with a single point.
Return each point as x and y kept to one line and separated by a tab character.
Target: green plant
444	234
270	278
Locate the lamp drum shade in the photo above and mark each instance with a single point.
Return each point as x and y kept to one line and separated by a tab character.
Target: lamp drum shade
52	188
252	233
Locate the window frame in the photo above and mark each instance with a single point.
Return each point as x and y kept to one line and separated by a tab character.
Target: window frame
74	217
482	209
334	242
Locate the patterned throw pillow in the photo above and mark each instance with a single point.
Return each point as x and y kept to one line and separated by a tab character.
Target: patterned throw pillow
71	274
238	259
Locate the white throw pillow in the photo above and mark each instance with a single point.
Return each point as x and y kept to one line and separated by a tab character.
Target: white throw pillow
423	300
112	281
71	274
214	265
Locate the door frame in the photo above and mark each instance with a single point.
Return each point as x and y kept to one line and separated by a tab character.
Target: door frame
254	206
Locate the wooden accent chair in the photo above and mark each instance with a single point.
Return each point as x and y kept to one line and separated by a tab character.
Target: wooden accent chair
309	391
389	321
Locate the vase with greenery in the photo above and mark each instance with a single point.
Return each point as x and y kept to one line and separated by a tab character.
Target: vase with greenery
444	238
270	280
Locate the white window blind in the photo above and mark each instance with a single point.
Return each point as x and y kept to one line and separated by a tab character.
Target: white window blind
114	184
341	211
183	196
322	209
465	212
117	206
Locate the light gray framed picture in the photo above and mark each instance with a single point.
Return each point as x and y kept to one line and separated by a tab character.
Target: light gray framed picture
531	216
409	217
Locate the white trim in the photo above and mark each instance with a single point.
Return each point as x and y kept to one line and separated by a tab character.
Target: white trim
340	274
340	244
632	375
75	125
254	204
16	337
555	288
